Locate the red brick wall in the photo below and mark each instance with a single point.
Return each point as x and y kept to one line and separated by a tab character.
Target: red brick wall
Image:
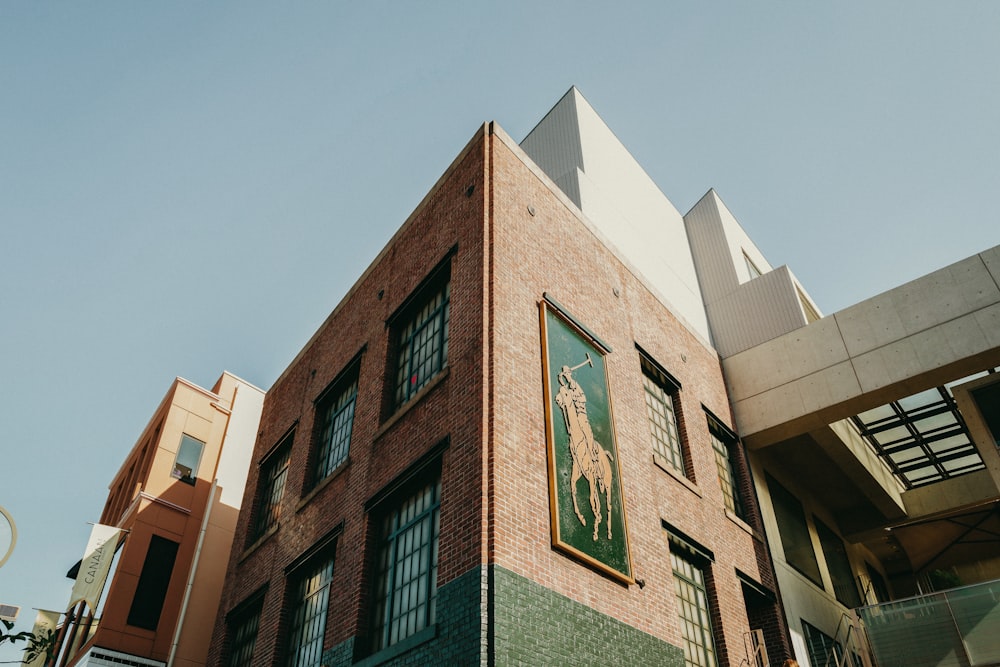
554	251
382	446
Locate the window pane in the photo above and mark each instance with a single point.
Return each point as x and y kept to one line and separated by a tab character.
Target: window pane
309	622
839	565
662	417
336	422
243	633
695	615
188	457
721	443
794	532
272	486
406	568
423	344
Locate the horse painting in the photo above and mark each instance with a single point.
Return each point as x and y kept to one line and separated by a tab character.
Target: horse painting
590	459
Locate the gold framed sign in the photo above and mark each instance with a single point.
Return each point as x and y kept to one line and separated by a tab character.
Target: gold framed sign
585	492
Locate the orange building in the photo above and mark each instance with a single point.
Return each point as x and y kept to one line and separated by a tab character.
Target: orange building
176	499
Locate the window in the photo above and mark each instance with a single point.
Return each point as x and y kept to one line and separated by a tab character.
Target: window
421	334
839	565
405	582
271	486
243	624
794	532
312	597
823	650
878	586
188	458
695	614
723	440
661	391
335	417
151	591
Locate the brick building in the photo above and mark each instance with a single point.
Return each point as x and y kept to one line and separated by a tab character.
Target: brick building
406	503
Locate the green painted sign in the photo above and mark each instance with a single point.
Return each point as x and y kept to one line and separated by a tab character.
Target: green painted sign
585	492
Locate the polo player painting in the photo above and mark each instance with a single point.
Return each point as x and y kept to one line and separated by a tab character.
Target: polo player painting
585	495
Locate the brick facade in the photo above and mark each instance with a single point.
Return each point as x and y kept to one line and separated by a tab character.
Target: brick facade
505	596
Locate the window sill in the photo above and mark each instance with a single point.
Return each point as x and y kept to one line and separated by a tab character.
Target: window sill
662	464
323	484
259	541
732	516
415	399
399	648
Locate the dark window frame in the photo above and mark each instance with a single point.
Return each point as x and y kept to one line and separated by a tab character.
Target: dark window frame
271	481
664	415
242	627
334	411
415	497
724	444
182	472
419	335
794	533
690	565
838	564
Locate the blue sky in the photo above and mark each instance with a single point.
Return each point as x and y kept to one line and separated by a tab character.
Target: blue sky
192	187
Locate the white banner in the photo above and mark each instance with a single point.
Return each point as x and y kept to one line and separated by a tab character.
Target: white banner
94	566
45	625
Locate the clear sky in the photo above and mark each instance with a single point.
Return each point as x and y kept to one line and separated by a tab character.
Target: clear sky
191	187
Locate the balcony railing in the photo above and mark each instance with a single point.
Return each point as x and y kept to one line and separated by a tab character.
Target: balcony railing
954	628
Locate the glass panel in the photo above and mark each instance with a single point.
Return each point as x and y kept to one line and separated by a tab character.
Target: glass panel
188	457
405	585
922	399
839	565
695	616
794	532
423	345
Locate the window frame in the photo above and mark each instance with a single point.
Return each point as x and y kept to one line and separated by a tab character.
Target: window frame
661	387
789	532
192	476
690	567
238	637
392	523
429	305
309	606
332	441
271	489
724	441
837	559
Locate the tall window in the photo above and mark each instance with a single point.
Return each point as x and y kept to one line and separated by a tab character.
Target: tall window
188	458
752	269
723	442
312	597
839	565
335	415
794	532
824	650
242	630
151	591
422	337
271	486
661	391
695	614
406	567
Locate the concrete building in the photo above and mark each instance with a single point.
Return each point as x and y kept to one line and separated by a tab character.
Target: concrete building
176	499
558	422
